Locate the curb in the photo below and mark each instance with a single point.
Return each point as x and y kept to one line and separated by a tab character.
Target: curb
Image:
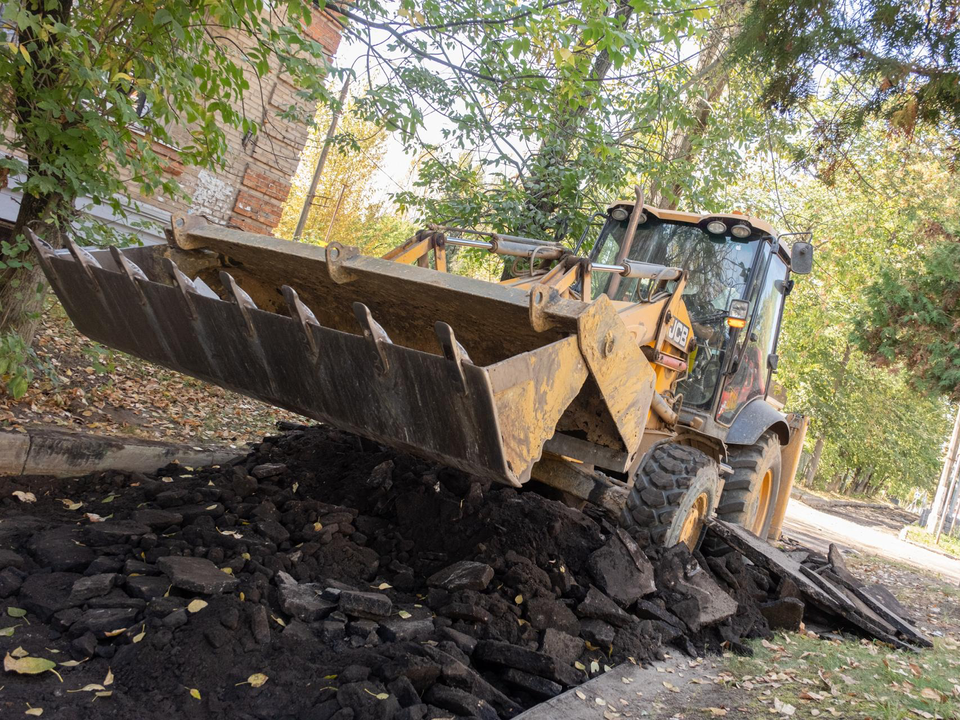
932	549
39	451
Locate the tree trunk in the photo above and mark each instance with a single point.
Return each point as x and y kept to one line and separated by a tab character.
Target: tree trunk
851	482
555	150
713	78
949	495
22	290
838	481
814	462
864	483
954	517
680	146
951	508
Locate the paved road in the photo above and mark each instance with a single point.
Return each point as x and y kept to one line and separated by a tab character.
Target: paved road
817	529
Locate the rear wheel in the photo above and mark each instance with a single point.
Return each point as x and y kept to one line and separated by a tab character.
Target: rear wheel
674	490
750	495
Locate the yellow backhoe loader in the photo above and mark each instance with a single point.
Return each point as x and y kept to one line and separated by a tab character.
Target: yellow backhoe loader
637	377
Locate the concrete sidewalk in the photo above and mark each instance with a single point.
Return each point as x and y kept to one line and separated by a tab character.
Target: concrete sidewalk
662	688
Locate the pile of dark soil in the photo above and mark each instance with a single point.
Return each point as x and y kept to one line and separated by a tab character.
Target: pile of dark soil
320	577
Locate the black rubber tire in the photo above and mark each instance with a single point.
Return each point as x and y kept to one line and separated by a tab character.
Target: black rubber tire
741	492
665	487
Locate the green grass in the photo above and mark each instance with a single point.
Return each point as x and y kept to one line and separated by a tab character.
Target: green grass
848	679
948	543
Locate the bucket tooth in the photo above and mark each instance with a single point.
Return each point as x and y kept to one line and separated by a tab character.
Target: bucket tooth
452	349
247	306
86	261
46	256
454	352
130	268
237	293
183	284
135	276
241	299
43	249
374	333
304	317
81	255
188	289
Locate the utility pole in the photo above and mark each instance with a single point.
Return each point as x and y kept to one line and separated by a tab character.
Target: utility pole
312	192
333	218
940	499
949	499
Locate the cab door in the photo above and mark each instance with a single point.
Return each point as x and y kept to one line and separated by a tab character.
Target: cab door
751	374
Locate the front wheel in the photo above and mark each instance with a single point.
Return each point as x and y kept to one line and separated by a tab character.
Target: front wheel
674	490
750	495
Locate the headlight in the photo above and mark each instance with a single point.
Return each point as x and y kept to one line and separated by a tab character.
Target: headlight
717	227
740	230
619	214
737	313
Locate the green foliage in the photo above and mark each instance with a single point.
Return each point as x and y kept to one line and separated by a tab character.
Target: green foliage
100	95
867	215
378	232
541	113
914	314
903	58
13	254
19	364
341	205
95	89
948	541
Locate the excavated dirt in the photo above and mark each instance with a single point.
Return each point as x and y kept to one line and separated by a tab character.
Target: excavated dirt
362	583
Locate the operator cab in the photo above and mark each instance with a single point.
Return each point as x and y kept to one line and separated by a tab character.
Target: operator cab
737	275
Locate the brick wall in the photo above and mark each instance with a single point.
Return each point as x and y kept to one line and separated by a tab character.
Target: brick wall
250	190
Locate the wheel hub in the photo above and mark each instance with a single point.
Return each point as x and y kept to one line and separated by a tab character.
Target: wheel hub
693	523
764	498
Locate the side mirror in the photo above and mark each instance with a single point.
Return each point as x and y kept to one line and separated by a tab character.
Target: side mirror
801	258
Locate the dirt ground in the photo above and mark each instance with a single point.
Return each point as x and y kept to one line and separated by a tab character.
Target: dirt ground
82	385
319	577
775	682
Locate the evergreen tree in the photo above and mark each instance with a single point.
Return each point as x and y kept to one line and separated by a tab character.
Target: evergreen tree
914	315
902	58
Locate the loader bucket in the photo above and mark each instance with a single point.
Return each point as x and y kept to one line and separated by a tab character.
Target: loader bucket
443	366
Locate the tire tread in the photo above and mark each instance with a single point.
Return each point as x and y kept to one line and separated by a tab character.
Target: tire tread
658	488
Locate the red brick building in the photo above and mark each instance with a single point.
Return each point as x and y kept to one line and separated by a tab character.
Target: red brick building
249	193
250	190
